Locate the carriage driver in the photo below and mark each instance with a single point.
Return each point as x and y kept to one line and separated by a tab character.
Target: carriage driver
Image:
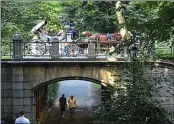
44	33
69	28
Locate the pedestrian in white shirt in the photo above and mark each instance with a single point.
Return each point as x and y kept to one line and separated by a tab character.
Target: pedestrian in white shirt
22	119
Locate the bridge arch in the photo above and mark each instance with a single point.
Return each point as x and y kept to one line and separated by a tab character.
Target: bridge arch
40	92
102	83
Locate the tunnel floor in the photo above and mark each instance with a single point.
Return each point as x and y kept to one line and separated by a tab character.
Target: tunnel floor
82	116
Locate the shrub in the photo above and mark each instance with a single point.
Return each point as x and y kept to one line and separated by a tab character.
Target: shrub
135	101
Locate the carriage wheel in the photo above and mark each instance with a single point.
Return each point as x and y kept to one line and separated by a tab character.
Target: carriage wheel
72	49
37	47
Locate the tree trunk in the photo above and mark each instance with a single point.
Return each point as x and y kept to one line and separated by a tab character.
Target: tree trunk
126	35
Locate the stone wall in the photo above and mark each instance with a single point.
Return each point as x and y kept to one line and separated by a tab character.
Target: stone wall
163	79
6	93
46	74
16	94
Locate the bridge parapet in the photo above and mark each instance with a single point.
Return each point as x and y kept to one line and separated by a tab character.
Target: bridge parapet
19	50
55	50
59	49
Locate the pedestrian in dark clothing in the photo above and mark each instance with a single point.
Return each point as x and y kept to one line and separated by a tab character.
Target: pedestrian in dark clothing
62	105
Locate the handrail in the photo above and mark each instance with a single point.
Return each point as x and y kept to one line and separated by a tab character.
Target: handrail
58	48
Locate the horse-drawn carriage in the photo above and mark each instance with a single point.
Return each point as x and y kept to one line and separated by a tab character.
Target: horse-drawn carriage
67	40
69	43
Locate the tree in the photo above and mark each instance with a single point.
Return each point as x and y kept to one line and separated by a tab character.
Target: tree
153	25
154	19
135	101
96	16
15	17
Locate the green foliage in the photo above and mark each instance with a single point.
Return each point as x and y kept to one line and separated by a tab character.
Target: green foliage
130	111
153	19
166	56
146	20
97	17
135	101
52	91
96	86
18	17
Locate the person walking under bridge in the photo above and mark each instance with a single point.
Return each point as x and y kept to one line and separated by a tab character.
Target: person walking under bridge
72	106
62	105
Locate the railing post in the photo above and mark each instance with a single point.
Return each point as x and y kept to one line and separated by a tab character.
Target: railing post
55	48
17	46
134	52
91	49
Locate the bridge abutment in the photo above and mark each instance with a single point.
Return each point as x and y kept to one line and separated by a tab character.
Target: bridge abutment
6	93
22	94
16	94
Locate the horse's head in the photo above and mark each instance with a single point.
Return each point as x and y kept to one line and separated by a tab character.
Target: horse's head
118	36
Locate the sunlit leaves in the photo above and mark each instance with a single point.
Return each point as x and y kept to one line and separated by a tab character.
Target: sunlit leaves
52	91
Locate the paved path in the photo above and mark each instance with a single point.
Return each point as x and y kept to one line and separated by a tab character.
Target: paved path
82	116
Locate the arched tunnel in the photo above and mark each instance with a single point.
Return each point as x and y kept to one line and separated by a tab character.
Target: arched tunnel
46	109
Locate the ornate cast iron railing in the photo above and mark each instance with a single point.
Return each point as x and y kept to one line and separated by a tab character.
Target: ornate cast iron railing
39	49
57	49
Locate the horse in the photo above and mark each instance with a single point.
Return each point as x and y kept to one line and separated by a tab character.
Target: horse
108	39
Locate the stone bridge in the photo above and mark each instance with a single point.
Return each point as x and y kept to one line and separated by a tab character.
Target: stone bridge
21	80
